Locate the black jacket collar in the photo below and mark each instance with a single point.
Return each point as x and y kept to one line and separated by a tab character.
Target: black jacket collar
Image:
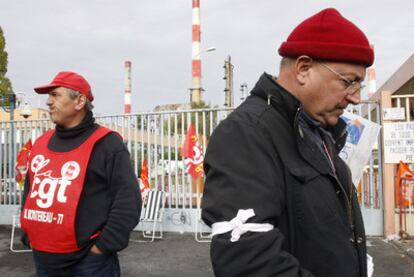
268	89
88	122
283	101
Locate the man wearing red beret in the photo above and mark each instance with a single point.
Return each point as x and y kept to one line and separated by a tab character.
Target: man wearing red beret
82	198
278	197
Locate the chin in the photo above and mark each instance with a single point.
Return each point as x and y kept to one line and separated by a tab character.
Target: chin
54	119
332	122
332	118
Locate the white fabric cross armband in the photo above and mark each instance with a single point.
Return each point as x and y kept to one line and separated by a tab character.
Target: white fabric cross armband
238	225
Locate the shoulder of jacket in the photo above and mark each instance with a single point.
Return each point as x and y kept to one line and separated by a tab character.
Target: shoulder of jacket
253	109
254	117
112	143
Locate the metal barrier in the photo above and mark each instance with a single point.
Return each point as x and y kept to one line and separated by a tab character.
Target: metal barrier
156	137
13	135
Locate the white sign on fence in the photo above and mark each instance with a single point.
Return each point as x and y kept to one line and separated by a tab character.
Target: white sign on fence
393	114
399	142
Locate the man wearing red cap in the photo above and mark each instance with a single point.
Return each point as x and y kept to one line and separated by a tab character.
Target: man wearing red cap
279	199
81	200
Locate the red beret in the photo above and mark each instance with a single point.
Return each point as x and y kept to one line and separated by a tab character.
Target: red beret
70	80
328	36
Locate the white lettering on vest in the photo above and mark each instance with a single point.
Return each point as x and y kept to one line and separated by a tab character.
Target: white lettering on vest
61	197
36	181
46	191
46	196
40	216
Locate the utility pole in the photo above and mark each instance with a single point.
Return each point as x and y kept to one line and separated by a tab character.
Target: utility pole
228	87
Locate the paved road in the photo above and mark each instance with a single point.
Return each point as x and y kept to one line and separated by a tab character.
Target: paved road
389	260
181	256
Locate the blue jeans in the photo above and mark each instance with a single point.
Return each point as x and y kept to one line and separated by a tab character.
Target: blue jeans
92	265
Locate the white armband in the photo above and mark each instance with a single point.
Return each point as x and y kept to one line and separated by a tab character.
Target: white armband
238	225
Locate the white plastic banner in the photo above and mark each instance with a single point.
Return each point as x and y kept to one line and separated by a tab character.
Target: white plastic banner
362	136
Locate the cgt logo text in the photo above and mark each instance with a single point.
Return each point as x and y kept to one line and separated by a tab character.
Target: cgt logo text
45	186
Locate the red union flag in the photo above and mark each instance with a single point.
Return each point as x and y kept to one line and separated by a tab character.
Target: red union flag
193	153
144	182
405	185
22	163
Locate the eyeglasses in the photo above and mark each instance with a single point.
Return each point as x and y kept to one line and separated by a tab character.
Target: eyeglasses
351	87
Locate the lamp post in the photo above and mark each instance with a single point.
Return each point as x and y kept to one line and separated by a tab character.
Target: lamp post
196	89
9	103
210	49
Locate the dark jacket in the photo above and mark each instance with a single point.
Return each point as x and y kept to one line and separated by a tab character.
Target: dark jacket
265	156
110	201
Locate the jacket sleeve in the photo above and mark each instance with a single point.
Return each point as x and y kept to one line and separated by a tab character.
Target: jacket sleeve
26	188
125	210
23	237
241	173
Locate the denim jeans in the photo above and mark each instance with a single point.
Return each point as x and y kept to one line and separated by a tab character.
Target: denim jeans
92	265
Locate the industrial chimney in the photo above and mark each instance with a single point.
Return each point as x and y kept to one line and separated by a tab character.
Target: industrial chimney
372	82
196	90
127	96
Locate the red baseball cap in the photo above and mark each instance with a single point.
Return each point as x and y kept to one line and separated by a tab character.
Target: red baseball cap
68	79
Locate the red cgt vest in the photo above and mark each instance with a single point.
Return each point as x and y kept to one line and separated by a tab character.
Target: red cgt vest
56	183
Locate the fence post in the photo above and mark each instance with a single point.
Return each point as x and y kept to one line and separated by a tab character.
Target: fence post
388	178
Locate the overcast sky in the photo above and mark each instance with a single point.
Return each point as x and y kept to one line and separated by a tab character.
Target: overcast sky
95	37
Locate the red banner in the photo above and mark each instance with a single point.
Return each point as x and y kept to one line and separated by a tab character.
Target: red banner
192	151
144	182
22	163
404	186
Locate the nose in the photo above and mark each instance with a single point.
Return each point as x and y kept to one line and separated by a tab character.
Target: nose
49	100
354	98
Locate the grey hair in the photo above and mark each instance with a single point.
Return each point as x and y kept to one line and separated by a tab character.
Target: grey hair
73	94
286	61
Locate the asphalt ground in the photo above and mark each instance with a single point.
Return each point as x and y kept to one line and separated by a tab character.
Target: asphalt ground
180	255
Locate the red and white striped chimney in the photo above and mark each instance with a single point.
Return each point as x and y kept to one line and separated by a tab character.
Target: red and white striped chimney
127	97
372	79
196	91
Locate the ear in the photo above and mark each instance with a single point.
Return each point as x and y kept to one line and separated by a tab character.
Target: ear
302	68
81	102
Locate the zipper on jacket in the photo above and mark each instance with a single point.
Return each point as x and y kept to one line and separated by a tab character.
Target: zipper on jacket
349	205
347	198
